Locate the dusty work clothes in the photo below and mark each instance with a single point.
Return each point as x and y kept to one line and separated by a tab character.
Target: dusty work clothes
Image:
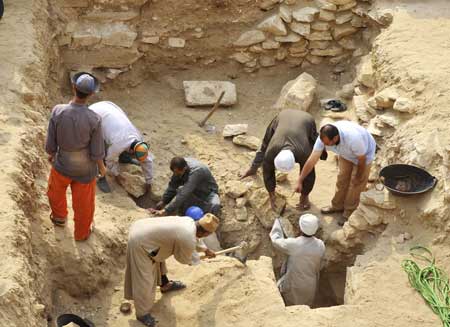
119	133
293	130
83	202
196	186
348	190
75	141
305	256
354	141
151	241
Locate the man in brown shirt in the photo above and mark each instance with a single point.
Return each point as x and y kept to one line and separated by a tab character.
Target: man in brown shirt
76	148
289	139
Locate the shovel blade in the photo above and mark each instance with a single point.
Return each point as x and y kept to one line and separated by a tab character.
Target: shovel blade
103	185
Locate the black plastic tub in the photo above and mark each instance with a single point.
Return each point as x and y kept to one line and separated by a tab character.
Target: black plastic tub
68	318
405	180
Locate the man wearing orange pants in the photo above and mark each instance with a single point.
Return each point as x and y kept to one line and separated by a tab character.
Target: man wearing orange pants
75	147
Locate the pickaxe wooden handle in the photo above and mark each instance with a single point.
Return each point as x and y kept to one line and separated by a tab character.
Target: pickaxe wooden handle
216	106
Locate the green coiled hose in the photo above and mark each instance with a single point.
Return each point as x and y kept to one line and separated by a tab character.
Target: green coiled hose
430	281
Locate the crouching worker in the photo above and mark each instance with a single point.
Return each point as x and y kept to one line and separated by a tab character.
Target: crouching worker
300	273
192	184
124	144
152	241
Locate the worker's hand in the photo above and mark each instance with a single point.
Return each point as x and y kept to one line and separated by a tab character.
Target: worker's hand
210	254
299	187
252	171
50	158
157	213
272	199
159	205
102	171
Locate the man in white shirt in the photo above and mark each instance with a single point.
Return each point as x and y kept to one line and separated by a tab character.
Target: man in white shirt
356	149
300	277
121	136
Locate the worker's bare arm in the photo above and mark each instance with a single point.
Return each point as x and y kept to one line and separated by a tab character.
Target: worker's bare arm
307	168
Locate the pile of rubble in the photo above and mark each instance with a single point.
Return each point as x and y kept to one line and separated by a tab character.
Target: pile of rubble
325	30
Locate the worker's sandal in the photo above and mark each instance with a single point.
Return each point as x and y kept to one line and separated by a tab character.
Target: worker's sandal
175	285
61	222
147	320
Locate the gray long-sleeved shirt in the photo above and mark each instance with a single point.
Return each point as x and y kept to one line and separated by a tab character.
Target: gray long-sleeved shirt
75	139
197	181
293	130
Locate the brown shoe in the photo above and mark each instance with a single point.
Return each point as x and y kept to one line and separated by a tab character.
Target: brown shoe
330	209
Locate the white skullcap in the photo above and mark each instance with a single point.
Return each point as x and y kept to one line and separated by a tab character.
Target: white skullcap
309	224
284	161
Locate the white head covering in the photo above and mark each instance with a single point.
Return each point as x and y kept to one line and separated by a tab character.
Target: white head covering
284	161
309	224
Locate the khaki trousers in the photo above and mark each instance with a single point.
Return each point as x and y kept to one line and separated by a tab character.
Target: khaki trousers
347	191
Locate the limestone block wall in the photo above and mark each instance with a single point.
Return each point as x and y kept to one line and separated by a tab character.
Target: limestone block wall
320	31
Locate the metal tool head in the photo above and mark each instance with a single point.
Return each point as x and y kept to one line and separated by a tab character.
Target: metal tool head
240	257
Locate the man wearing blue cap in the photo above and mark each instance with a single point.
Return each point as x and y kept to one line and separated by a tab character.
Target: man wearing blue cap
76	149
122	138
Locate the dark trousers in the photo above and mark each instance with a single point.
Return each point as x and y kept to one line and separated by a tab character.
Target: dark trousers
211	204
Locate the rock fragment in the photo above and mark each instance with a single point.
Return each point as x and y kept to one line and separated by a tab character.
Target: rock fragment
247	141
206	93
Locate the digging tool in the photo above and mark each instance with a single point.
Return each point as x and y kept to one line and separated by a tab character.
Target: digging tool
242	259
283	209
214	108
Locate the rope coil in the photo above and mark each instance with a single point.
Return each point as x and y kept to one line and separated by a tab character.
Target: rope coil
431	282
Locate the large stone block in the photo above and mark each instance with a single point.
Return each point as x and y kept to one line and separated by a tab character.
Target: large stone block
301	28
290	38
235	189
259	201
285	13
242	57
111	16
305	15
327	15
320	36
320	26
119	58
298	94
234	129
274	25
325	4
386	98
363	111
378	199
118	35
344	17
365	72
206	93
176	42
247	141
341	31
249	38
329	52
404	105
85	38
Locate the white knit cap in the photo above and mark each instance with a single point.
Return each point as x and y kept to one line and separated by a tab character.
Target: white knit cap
284	161
309	224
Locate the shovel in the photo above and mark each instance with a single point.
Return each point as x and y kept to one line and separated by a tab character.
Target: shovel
103	185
